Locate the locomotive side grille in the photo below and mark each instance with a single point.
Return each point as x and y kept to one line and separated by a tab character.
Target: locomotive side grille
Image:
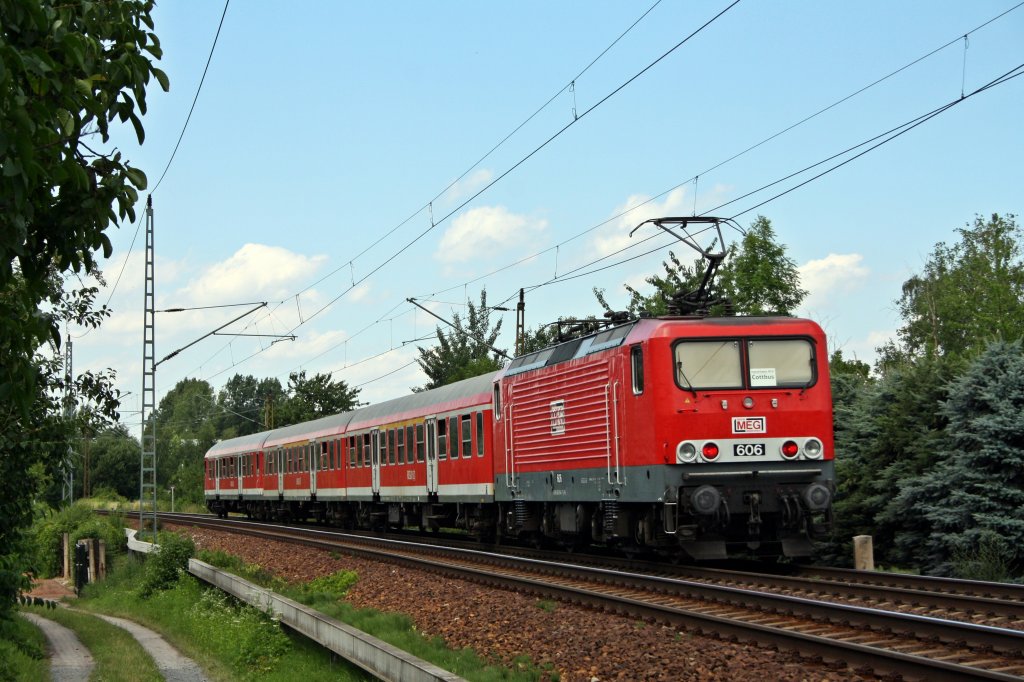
584	390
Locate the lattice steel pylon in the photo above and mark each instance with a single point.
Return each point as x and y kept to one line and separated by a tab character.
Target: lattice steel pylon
68	464
147	466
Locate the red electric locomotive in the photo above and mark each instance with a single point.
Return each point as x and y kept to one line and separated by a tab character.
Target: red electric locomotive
707	436
710	435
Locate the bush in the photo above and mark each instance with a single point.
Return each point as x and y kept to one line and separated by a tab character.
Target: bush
165	566
22	650
78	521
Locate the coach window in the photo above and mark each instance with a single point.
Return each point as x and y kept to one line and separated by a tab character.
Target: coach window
366	449
391	446
453	437
479	434
420	449
442	439
636	355
323	456
467	436
497	402
400	443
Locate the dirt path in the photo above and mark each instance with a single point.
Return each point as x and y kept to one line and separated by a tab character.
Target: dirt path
70	661
172	665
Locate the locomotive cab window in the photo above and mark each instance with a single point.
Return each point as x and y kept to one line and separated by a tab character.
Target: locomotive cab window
708	364
497	402
636	356
780	362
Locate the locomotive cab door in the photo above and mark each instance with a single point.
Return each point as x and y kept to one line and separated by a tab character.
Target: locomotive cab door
375	460
431	445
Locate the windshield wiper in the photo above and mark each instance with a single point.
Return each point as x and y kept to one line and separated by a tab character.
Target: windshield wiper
682	375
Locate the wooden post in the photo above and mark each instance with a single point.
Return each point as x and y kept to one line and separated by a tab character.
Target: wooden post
103	559
66	545
863	553
94	559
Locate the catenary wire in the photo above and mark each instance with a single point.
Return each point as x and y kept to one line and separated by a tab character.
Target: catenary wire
505	139
1009	75
493	182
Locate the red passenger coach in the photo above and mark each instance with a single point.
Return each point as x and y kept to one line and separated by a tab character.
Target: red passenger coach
424	460
234	471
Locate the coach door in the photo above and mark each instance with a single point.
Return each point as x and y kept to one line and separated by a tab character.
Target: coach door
314	465
280	471
431	445
375	460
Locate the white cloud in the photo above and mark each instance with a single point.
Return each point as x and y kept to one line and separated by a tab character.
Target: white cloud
486	232
465	187
835	274
254	270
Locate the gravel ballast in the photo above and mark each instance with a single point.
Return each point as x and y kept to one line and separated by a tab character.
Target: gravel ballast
581	644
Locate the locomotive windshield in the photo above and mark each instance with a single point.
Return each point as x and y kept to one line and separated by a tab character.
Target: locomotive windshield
719	364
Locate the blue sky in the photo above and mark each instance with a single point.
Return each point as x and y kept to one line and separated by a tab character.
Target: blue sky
322	126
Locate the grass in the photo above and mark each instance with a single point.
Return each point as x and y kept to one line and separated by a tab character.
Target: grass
231	642
118	657
22	651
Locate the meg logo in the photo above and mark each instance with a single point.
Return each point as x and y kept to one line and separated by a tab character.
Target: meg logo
749	425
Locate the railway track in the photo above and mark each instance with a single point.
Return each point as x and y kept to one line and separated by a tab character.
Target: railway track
779	611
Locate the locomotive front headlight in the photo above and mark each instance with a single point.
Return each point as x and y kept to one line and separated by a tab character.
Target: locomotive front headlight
748	403
812	448
790	449
686	452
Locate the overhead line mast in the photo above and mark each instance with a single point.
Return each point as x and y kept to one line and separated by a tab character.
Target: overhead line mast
147	465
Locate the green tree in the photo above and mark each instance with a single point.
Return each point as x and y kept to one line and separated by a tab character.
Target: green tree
968	294
186	427
69	70
886	432
758	277
315	397
974	491
464	352
242	402
677	277
114	461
